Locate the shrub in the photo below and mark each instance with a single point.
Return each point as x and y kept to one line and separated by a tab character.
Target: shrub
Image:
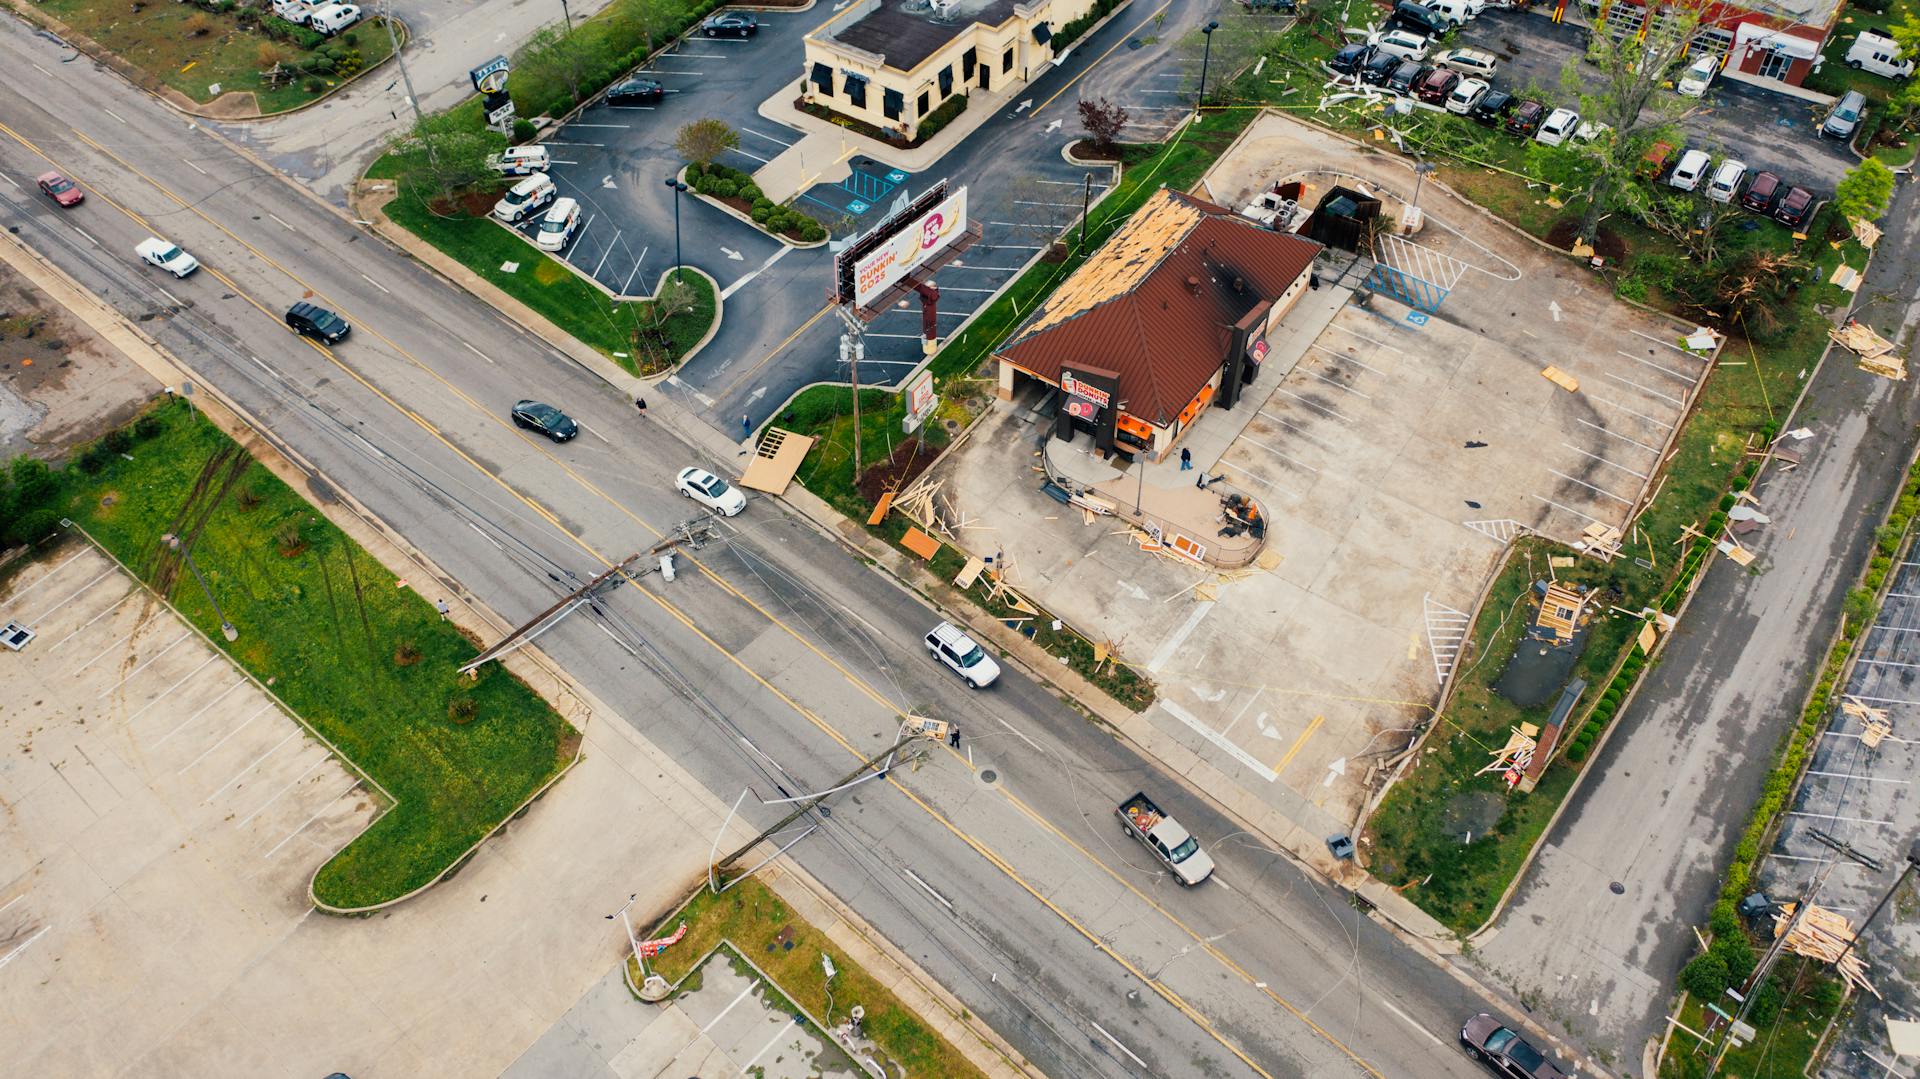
1576	752
725	189
290	541
1767	998
1825	994
1705	977
761	202
1725	920
761	214
751	192
813	231
118	440
523	130
34	525
1736	954
146	427
94	459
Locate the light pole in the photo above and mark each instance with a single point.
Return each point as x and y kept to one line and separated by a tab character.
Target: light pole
1420	170
226	628
567	15
652	986
678	187
1205	55
1086	208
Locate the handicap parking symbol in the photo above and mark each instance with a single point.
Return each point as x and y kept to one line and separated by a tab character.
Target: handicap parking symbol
856	207
1418	318
896	177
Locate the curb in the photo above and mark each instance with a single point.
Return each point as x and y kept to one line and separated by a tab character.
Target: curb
798	245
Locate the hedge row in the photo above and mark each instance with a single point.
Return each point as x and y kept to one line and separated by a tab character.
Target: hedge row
1071	32
722	182
601	67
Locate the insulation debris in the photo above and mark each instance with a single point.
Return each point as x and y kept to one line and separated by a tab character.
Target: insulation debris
1875	352
1824	935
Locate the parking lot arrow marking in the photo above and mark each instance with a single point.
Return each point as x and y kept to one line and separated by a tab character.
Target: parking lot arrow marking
607	182
1337	768
1053	127
1553	308
732	255
757	394
1023	106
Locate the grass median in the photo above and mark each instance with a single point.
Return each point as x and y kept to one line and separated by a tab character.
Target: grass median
624	330
364	660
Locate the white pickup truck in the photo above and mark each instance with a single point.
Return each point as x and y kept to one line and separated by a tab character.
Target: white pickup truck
1168	841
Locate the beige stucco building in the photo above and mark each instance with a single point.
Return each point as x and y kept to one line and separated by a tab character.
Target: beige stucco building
893	63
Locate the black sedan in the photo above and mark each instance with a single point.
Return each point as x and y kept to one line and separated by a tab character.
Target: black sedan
1504	1051
637	91
546	419
731	24
1349	60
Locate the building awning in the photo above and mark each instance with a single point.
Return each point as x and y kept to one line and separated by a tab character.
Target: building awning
1042	33
1799	48
823	78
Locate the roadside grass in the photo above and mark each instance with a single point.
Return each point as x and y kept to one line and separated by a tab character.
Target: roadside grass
760	926
556	292
157	40
1784	1043
320	620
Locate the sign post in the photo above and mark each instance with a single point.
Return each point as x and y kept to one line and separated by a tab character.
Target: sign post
921	401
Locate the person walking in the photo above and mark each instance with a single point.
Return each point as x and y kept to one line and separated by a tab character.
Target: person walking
441	606
746	427
1186	459
953	735
640	403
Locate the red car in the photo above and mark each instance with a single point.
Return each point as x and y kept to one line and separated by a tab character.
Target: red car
1436	85
61	190
1794	207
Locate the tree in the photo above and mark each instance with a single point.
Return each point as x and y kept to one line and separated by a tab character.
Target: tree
439	158
1620	84
553	62
269	55
1694	223
1863	193
1103	121
705	139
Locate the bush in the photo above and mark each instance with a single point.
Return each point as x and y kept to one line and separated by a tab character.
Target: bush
944	115
813	231
34	525
523	130
118	440
725	189
1725	920
94	459
761	214
1705	977
751	192
1576	752
146	427
1766	1001
1736	955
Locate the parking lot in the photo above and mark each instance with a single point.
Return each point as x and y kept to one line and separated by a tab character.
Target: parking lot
1393	462
1862	795
163	818
1767	130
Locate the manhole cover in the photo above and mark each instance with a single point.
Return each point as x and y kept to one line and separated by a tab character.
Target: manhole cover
988	775
1617	888
1135	43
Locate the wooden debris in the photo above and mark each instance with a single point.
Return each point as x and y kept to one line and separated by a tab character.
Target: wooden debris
1740	555
1648	637
1875	726
1561	379
969	573
1824	935
1269	559
1560	610
1876	352
920	543
880	511
1511	760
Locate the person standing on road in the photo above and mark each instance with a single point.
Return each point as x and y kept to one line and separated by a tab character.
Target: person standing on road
953	735
746	427
1186	459
640	403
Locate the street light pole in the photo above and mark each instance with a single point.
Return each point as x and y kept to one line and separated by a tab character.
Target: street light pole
1086	209
226	628
1206	54
678	186
1420	170
567	15
393	39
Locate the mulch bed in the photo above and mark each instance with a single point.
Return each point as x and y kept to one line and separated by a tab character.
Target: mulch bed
1607	244
466	204
910	458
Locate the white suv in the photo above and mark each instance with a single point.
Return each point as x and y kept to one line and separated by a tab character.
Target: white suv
557	227
957	650
525	197
1405	44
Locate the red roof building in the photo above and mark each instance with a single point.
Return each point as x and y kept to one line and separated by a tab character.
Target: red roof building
1168	318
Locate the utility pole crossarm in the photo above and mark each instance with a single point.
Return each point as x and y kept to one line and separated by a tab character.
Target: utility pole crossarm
807	806
531	624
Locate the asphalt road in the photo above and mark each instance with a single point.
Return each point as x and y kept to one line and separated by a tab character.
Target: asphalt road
772	662
1681	772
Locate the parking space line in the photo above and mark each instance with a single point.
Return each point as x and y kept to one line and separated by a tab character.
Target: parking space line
1885	663
1072	183
1317	408
25	944
1570	509
1662	424
607	254
617	127
44	615
628	108
665	71
1883	738
1669	344
1338	385
178	682
1662	368
1606	462
711	1023
136	671
1871	779
626	288
48	576
956	264
1275	488
952	288
1621	437
1836	816
1344	358
1591	487
1890	629
748	153
117	605
196	715
316	816
1245	438
1029	202
103	652
257	713
763	135
747	1068
257	762
1648	390
601	145
1351	332
324	758
1884	700
583	232
1242	713
1288	424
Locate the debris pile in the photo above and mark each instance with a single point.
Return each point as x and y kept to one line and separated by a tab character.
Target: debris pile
1824	935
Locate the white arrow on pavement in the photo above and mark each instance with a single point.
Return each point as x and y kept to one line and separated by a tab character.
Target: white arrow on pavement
1553	308
758	393
1053	127
1024	106
1337	768
732	255
607	182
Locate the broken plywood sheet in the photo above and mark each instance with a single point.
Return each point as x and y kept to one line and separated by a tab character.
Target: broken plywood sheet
1124	261
969	573
1561	379
1865	231
1740	555
880	511
1846	277
775	461
1560	610
920	543
1861	339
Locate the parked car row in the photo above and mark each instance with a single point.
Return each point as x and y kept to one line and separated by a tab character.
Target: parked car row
328	19
1730	181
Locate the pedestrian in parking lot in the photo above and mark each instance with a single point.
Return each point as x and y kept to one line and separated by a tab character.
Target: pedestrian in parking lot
641	404
953	735
1186	459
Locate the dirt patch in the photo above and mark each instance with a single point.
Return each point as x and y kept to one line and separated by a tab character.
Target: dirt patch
60	385
1607	244
1082	150
910	458
465	204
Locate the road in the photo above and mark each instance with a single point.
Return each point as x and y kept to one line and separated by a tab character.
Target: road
1684	766
788	663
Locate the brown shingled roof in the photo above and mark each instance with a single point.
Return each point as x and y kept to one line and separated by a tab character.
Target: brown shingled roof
1130	308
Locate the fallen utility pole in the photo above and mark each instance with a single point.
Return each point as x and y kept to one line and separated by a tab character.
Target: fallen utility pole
693	533
807	806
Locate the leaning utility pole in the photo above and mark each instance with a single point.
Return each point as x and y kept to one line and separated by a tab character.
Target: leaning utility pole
807	805
853	348
386	16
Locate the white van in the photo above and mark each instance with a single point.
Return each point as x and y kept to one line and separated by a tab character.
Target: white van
526	196
296	12
334	18
1876	52
556	229
1688	173
522	160
1473	63
1456	12
1698	76
1726	180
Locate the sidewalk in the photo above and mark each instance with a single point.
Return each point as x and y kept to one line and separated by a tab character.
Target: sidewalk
822	153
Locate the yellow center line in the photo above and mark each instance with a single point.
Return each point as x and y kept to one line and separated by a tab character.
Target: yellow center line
675	612
1096	61
1294	750
777	349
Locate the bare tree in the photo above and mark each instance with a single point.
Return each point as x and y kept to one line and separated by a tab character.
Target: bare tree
703	140
438	158
1103	121
1697	225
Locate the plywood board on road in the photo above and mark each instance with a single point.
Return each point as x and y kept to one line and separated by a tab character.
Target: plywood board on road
775	461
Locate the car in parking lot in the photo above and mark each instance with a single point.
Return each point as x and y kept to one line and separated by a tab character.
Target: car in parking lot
521	160
556	228
1725	182
1466	96
710	491
1844	118
1419	18
1473	63
60	189
157	252
1505	1051
1379	68
1698	76
1350	59
959	652
309	320
1436	85
1654	163
1794	207
1405	44
731	24
334	18
1493	108
1559	125
1525	119
636	91
1406	75
525	197
1690	171
1761	193
543	418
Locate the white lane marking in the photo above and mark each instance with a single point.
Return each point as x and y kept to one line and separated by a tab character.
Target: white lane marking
478	353
771	259
244	821
1407	1019
84	236
723	1012
257	762
765	136
316	816
197	714
112	113
25	944
1591	487
131	675
375	284
195	167
924	886
1116	1044
223	740
283	224
169	296
258	362
176	685
744	153
593	432
40	69
10	180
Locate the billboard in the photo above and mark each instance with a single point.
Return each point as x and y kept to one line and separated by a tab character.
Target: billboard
913	240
